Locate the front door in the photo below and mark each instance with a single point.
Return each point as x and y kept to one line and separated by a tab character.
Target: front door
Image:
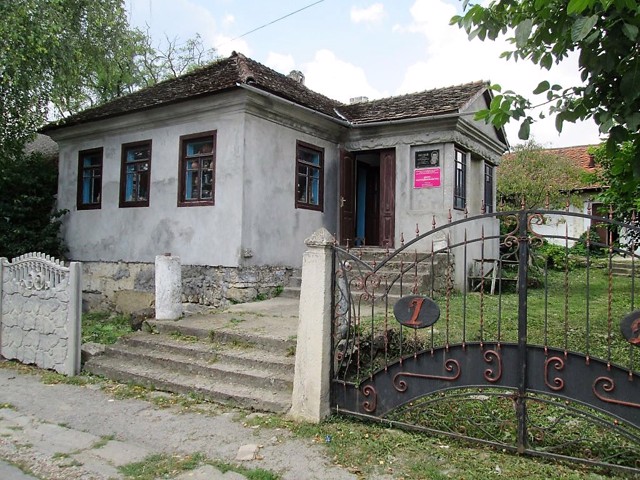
367	198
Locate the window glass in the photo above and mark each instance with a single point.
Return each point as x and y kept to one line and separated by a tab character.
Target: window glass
309	176
136	174
488	188
197	167
460	185
89	179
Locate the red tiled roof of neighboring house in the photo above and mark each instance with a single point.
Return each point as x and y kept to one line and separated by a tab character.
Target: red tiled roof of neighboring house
237	70
579	155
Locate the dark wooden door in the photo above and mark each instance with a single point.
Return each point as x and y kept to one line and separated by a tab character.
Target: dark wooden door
347	198
387	197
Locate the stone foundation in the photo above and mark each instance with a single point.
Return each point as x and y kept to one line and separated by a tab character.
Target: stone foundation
128	287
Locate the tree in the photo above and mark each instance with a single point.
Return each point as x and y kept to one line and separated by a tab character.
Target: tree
605	33
536	176
67	55
28	219
172	59
615	172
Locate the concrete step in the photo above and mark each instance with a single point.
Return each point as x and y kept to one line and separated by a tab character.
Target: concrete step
290	292
161	378
214	368
212	352
225	336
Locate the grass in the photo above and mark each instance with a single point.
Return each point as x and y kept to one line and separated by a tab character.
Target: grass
168	466
104	327
370	449
557	317
184	338
562	316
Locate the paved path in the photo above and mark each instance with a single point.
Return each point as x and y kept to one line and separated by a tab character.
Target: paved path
66	432
9	472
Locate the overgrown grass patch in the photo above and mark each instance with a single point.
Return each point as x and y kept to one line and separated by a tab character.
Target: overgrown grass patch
161	466
104	327
168	466
368	449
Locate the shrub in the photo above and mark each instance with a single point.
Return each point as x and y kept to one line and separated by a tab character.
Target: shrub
29	221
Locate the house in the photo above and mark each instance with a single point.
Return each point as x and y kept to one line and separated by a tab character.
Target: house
561	229
232	166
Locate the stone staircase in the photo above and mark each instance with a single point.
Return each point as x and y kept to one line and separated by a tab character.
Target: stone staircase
624	267
229	360
420	276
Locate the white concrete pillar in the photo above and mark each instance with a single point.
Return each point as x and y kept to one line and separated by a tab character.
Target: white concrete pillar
311	384
168	287
74	320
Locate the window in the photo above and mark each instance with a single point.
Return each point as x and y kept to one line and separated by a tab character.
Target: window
460	186
89	179
488	188
135	174
197	169
309	176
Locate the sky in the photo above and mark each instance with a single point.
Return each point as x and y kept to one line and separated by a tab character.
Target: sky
352	48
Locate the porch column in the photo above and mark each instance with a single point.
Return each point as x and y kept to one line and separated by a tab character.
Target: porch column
311	383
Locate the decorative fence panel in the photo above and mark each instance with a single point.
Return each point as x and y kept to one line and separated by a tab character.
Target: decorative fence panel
535	351
40	312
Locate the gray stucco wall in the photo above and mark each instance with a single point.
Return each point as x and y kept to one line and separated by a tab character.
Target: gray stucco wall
274	230
203	235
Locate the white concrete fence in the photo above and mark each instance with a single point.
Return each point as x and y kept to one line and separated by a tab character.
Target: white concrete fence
40	312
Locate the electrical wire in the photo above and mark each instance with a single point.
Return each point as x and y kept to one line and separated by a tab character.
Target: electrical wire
267	24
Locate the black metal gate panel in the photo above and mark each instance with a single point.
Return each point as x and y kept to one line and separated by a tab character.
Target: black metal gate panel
526	339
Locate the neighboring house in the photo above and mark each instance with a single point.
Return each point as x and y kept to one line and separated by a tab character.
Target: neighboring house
232	166
563	228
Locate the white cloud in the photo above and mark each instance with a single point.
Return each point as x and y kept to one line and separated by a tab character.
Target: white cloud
449	58
336	78
372	14
228	19
225	45
280	62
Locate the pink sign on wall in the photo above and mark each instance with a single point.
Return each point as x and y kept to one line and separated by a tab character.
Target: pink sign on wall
426	177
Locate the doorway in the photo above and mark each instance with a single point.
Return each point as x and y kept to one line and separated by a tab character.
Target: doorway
367	198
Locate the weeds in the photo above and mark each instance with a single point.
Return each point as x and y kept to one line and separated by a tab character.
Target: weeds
103	327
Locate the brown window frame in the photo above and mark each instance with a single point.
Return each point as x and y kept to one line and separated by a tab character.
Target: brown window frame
82	154
300	145
460	180
123	174
489	181
182	168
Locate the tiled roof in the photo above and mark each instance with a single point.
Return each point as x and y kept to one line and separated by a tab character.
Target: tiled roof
579	155
237	70
430	102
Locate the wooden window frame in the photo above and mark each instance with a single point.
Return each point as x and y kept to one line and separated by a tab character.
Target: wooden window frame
489	179
80	204
300	145
460	179
183	161
123	174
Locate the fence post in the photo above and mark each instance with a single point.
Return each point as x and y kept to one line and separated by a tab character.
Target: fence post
311	385
74	319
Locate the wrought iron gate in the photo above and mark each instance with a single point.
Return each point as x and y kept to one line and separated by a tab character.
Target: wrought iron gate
526	339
